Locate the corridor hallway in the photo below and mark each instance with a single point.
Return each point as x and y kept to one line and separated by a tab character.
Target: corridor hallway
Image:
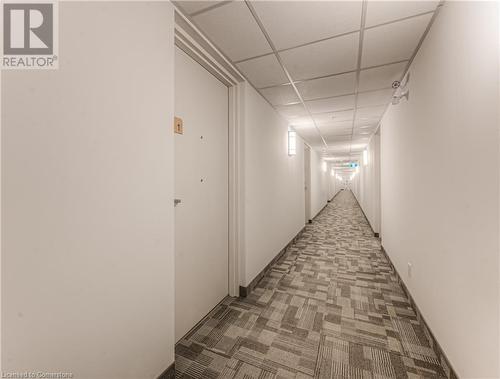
331	307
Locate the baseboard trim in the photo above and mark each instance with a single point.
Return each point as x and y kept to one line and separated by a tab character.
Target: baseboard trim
169	373
245	291
448	368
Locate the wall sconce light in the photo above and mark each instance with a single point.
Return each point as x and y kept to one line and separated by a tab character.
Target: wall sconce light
292	142
324	166
332	172
365	157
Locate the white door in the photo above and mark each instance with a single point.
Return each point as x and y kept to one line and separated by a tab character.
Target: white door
201	183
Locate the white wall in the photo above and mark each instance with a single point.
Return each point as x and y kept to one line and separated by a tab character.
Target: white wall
334	185
273	186
87	175
331	182
366	183
498	171
319	183
440	185
355	185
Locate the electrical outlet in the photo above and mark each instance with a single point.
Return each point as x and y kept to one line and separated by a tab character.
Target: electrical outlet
410	266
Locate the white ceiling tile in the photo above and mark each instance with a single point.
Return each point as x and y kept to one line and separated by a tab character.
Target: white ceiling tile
393	42
307	132
312	137
366	125
280	95
307	21
342	116
337	151
264	71
335	146
370	112
338	160
372	98
335	136
322	58
191	7
359	144
334	116
292	111
234	30
325	87
362	134
333	104
302	123
335	124
340	134
381	77
317	146
378	12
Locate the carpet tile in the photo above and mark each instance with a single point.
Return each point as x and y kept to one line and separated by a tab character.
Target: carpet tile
330	307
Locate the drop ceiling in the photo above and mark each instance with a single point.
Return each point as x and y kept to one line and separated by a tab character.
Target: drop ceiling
326	66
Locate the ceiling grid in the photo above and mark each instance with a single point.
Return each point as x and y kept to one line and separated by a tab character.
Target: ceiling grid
290	79
331	75
358	69
326	66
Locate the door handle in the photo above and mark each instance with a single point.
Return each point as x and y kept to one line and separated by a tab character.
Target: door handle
177	201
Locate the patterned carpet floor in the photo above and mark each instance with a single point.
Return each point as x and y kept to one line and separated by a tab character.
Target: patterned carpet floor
331	307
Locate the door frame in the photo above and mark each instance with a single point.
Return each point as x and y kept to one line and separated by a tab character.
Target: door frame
191	40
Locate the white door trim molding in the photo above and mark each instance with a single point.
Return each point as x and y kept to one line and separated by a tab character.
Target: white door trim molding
189	39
